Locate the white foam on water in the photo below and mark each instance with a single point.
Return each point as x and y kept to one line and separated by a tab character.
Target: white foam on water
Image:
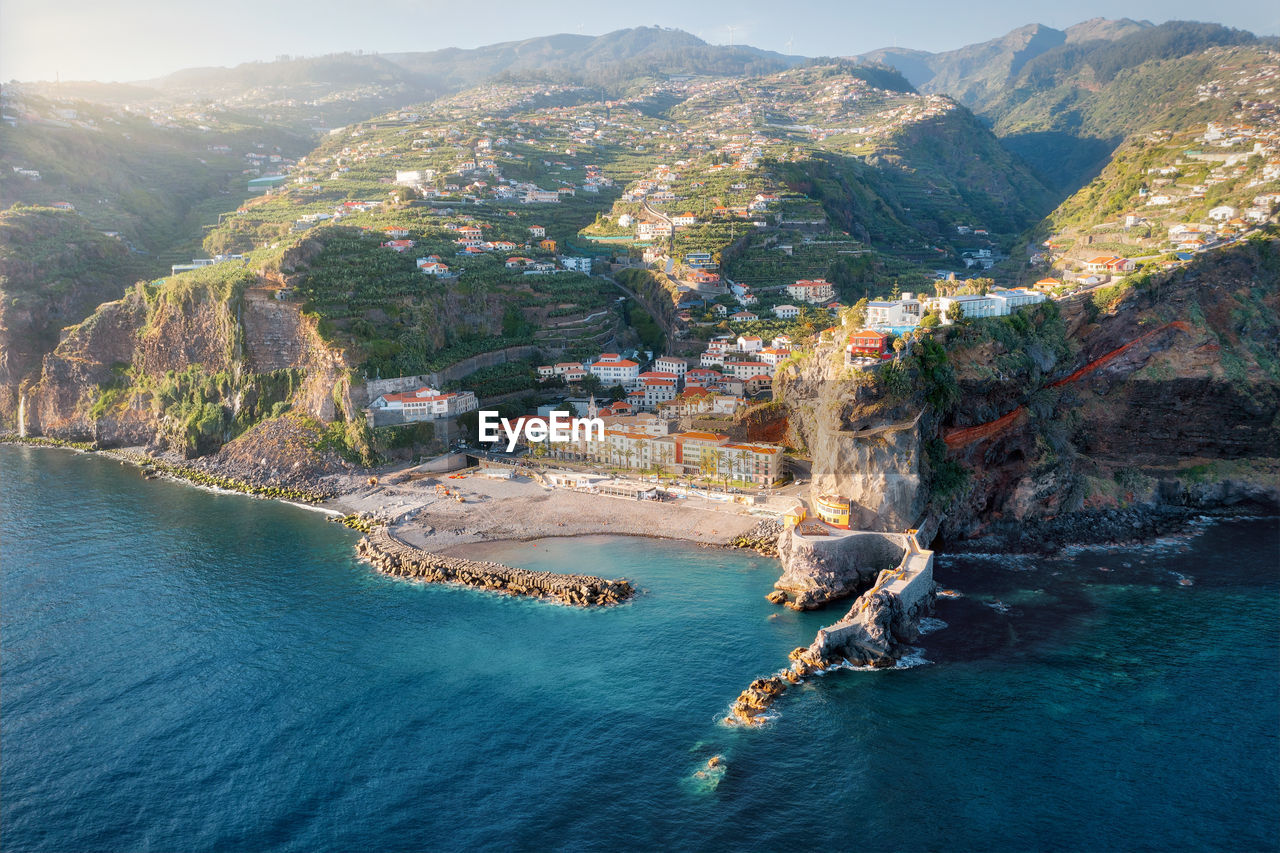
929	624
913	659
324	509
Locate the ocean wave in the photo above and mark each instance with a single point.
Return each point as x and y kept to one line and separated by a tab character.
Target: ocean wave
323	509
912	659
929	624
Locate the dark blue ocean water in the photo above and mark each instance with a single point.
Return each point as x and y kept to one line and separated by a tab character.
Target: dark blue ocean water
188	671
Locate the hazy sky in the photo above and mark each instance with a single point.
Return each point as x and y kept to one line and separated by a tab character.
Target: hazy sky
137	39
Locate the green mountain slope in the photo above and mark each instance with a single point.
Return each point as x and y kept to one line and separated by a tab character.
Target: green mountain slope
1063	100
55	268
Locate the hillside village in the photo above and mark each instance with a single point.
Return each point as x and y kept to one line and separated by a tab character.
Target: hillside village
1176	192
663	253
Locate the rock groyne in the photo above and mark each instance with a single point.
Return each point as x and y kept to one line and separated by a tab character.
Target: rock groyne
763	538
392	556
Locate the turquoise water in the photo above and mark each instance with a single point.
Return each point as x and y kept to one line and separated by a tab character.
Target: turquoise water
189	671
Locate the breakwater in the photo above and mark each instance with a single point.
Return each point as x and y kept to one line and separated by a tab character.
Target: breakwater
763	538
392	556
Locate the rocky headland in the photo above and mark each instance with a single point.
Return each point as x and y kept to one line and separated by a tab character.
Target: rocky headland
876	631
818	569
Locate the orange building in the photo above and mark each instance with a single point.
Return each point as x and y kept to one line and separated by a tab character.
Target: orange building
868	343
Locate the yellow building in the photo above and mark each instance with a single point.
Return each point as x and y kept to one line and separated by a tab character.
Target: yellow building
833	509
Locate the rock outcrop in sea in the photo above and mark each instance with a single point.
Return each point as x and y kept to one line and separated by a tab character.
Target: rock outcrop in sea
878	628
820	569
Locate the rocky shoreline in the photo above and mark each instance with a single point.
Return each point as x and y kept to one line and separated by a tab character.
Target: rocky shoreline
392	556
1108	527
152	466
763	539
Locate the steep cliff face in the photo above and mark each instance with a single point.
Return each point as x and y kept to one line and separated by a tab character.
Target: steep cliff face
1171	399
864	445
85	361
1076	418
278	337
54	271
191	366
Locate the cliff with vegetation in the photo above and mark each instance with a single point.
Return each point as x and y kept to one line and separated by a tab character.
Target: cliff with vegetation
206	362
54	271
1110	415
1158	396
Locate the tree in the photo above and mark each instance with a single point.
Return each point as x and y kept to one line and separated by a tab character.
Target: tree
930	319
899	345
855	316
591	383
956	313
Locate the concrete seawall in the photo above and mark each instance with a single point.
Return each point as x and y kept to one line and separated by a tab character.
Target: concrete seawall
392	556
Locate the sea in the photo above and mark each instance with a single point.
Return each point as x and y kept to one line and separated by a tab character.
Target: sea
184	670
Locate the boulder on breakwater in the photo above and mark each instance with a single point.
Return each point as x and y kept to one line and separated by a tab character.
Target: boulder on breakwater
392	556
763	538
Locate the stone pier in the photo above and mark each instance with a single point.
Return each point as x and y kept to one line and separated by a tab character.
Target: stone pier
393	556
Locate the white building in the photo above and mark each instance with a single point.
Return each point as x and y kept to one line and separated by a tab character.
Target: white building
649	230
582	265
671	364
786	312
432	266
427	404
613	369
748	369
658	391
415	177
997	303
901	312
816	291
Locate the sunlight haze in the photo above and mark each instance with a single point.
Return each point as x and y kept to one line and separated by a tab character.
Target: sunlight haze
136	40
